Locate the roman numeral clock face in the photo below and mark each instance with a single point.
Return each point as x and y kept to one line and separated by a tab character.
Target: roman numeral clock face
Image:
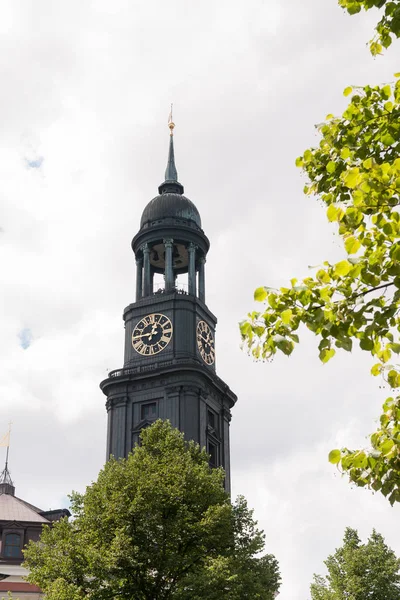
205	342
152	334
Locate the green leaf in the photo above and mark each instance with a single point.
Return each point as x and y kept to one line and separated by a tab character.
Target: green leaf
352	245
376	369
307	157
384	420
375	48
326	354
260	294
359	460
368	163
351	177
245	328
323	276
325	293
386	447
388	404
272	300
299	161
345	342
366	344
393	378
332	212
388	140
334	456
331	167
286	347
347	91
286	316
342	268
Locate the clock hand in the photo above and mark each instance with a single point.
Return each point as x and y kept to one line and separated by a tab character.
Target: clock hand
153	331
149	334
138	337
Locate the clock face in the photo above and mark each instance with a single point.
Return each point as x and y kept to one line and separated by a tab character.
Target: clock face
152	334
205	342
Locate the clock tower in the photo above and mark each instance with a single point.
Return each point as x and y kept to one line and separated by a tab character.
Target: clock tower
170	353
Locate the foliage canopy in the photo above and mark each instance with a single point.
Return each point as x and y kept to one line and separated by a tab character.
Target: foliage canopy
355	172
386	28
155	526
359	571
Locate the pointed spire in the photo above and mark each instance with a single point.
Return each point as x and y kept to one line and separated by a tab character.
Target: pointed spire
171	174
6	483
171	183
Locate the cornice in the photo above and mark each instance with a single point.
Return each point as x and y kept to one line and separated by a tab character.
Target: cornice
141	373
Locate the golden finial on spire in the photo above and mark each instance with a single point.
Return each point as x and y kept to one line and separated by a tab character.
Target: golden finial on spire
171	124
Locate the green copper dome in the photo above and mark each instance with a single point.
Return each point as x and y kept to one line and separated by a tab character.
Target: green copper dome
171	203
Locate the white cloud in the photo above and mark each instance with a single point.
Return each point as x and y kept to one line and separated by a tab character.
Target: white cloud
86	88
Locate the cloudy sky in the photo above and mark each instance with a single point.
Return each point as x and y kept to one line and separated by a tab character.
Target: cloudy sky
85	94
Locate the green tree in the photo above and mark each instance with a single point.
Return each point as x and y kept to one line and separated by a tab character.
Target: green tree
359	571
388	26
355	172
155	526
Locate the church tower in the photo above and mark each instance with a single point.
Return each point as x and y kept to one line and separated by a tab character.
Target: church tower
170	354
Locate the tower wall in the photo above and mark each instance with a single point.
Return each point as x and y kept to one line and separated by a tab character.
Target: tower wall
195	402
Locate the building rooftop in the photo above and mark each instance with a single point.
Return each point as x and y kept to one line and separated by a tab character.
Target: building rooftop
15	509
